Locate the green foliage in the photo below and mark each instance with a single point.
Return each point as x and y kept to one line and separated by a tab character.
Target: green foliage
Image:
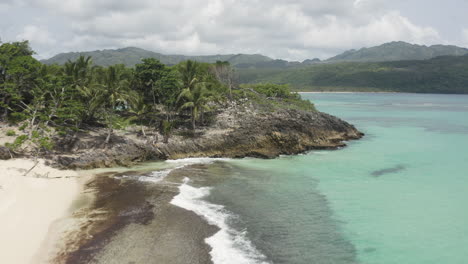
18	71
274	90
397	51
167	126
54	100
45	143
11	133
131	56
122	122
448	74
17	143
23	126
261	94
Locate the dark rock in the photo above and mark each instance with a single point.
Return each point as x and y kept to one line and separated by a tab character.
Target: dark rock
5	153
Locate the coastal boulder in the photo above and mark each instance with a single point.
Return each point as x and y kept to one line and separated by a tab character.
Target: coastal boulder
5	153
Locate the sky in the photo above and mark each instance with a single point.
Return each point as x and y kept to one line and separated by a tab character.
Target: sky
287	29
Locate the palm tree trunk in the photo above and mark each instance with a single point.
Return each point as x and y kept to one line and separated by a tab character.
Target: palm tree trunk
6	102
202	118
109	134
193	118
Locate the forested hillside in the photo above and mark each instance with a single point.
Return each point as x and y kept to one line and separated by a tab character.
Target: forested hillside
131	56
398	50
446	74
394	66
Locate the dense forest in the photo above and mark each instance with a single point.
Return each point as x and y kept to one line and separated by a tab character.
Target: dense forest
445	74
47	101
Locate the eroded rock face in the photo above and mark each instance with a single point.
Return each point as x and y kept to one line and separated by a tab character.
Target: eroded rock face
238	131
266	135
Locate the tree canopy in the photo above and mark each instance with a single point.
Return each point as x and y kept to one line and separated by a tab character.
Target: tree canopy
51	100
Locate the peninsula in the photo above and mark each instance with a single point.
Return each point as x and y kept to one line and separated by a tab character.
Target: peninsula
82	116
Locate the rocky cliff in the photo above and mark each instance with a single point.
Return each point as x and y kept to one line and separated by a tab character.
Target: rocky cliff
240	130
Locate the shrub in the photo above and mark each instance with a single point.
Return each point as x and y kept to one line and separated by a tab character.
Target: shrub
274	90
17	143
23	126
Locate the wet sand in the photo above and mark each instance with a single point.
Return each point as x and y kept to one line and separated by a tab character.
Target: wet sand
133	222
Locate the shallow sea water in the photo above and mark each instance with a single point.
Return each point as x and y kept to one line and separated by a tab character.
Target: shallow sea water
399	195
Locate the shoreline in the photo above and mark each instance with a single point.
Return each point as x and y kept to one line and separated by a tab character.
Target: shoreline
36	202
349	92
133	220
83	221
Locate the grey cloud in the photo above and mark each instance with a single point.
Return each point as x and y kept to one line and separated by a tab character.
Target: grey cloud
88	8
290	29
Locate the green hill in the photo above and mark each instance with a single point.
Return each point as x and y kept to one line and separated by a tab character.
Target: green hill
395	66
446	74
131	56
396	51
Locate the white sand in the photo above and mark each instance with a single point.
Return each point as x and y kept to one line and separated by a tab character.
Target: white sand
29	205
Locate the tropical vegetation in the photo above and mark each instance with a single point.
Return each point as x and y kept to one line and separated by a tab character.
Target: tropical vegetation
49	101
445	74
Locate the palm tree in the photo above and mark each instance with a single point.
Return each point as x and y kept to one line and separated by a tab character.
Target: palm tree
189	72
79	71
140	109
196	100
80	74
115	94
193	91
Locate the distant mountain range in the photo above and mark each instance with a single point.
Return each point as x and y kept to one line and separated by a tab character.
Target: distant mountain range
131	56
443	74
393	51
397	51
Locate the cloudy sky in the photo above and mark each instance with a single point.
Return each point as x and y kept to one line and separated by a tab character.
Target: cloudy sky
287	29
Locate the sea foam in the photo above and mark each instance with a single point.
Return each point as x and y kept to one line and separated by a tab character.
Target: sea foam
229	246
159	175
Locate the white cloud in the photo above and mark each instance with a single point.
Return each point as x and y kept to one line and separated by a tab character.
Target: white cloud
36	35
290	29
465	36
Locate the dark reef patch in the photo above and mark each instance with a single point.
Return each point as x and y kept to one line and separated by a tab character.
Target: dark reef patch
118	203
381	172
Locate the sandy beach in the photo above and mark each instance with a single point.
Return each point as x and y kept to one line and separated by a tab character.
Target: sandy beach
33	206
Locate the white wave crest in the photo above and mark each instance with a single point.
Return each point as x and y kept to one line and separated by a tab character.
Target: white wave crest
159	175
229	246
155	176
192	161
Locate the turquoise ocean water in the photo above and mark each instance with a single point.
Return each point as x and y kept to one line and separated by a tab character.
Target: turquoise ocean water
399	195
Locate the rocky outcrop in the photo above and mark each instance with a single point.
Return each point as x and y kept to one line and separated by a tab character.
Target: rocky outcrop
5	153
238	131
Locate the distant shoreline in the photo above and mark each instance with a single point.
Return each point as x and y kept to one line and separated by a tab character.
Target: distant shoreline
348	92
382	93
